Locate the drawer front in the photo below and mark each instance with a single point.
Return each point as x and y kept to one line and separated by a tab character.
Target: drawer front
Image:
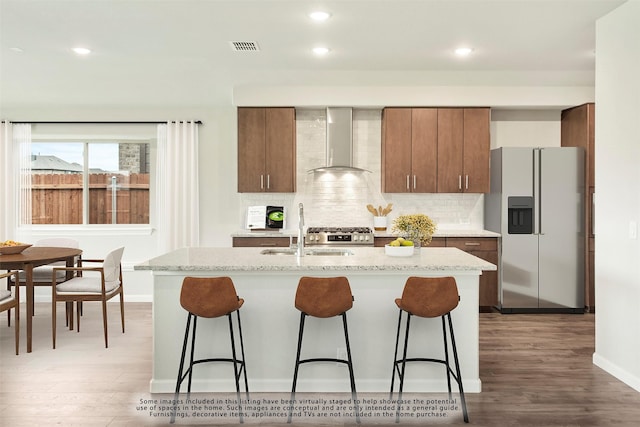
473	243
261	242
436	242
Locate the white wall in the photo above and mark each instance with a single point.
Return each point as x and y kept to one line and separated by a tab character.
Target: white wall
525	128
617	210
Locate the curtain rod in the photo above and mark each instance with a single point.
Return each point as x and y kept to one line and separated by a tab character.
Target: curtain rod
198	122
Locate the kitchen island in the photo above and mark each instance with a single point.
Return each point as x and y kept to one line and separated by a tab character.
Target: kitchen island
270	321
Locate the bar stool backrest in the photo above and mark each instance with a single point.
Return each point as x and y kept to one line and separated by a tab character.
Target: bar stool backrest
323	296
429	296
209	296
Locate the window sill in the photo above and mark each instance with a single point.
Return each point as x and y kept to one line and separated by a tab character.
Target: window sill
89	230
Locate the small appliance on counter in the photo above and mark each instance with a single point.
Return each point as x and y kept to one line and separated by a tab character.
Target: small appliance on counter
265	218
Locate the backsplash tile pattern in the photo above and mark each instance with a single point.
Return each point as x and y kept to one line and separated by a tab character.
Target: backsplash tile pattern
340	199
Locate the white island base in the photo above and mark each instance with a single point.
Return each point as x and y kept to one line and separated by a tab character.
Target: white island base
270	321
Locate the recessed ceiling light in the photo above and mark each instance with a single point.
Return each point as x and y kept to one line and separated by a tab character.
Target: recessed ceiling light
81	50
463	51
319	16
320	50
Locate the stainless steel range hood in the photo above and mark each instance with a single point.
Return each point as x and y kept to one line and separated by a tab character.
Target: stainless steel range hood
339	144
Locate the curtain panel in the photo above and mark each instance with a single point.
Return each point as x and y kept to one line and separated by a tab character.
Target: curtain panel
177	186
15	168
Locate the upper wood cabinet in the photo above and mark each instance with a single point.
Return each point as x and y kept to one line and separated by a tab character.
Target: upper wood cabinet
463	150
409	150
266	150
429	150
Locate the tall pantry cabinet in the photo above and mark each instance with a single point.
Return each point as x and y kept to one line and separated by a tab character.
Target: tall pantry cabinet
578	130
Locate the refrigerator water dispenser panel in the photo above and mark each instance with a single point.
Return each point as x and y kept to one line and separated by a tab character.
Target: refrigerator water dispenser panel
520	215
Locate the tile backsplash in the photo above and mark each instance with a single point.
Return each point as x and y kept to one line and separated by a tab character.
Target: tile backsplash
340	198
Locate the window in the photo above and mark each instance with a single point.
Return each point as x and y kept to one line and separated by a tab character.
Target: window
89	181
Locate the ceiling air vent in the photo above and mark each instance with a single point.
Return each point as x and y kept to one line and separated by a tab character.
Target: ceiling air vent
245	46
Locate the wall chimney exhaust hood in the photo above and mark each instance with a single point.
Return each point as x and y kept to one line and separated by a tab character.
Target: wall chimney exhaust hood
339	144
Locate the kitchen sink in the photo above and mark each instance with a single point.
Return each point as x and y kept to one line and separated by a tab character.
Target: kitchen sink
309	252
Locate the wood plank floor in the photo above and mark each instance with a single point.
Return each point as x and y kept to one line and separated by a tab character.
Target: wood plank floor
536	370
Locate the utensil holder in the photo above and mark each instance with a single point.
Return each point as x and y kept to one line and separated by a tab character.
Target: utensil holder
380	223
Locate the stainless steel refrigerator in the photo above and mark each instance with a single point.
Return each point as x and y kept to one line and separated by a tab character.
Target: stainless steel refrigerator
536	204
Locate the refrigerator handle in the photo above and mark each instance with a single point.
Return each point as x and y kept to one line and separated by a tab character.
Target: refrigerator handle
537	189
540	230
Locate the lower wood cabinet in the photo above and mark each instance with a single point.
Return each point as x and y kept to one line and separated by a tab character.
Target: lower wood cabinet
487	249
482	247
260	242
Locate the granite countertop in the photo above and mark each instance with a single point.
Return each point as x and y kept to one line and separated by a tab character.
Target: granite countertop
438	233
363	259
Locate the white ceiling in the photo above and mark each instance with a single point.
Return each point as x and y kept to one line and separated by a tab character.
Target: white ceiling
178	53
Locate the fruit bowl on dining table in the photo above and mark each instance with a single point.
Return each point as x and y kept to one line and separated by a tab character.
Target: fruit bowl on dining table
399	247
9	247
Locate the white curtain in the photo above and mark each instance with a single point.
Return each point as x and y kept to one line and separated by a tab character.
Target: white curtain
177	187
15	168
22	140
6	182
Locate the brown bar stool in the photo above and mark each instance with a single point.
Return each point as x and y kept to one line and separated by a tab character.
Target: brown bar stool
210	297
429	297
324	297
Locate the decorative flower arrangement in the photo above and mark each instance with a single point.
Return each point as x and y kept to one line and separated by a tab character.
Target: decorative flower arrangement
416	227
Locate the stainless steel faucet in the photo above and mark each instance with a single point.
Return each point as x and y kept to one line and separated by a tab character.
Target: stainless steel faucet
300	249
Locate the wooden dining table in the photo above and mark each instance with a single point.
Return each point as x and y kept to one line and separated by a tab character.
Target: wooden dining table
27	260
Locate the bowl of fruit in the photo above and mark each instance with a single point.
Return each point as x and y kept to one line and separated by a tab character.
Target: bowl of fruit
399	247
9	247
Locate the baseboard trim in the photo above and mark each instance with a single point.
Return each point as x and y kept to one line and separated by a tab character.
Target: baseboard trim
623	375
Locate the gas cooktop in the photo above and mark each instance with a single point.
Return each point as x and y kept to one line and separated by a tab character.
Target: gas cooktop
330	236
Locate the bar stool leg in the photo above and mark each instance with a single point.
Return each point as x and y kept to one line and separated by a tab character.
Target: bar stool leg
404	365
236	374
455	358
446	355
354	395
394	369
193	349
181	369
295	370
244	365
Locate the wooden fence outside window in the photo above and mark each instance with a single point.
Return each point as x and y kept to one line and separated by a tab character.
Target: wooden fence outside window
57	198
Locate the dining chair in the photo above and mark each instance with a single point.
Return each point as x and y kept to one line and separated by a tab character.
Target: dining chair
9	301
42	274
98	283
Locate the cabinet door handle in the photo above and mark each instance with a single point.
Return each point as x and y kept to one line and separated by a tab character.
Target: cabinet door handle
268	181
471	243
460	182
414	182
408	188
262	182
466	182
